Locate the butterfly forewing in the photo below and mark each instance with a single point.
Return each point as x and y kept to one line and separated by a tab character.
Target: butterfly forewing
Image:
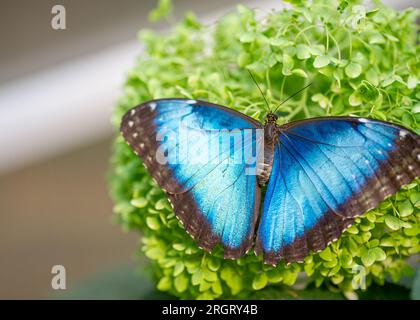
198	153
327	171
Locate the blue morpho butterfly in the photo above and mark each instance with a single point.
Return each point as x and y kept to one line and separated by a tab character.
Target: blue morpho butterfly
321	173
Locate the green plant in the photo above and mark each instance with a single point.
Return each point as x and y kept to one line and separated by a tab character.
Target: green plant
361	62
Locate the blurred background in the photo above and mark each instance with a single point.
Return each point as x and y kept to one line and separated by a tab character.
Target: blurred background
57	90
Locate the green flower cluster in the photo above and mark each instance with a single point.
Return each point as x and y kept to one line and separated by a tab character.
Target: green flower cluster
361	62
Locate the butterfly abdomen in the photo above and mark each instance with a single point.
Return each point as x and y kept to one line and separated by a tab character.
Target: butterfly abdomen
270	140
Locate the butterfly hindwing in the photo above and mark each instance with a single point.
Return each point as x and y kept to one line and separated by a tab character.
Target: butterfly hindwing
326	171
191	149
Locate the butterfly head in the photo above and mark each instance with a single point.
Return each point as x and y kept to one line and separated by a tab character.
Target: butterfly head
270	128
271	118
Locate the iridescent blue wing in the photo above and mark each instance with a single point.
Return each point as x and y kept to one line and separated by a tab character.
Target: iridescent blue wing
203	156
326	171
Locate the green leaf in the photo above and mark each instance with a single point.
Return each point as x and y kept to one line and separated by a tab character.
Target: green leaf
163	10
197	277
309	269
317	50
232	279
372	77
371	13
327	254
342	5
216	286
178	246
213	264
346	259
161	204
287	65
303	52
373	243
368	257
355	99
260	281
164	284
415	198
209	275
337	279
290	277
405	208
204	286
139	203
153	223
205	296
367	91
300	73
391	37
371	216
279	42
412	82
321	61
191	21
181	283
378	253
387	242
321	99
247	37
244	11
353	70
179	267
275	276
412	232
392	222
376	38
352	229
330	264
155	253
244	59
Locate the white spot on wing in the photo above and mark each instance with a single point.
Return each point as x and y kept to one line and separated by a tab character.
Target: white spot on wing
363	120
152	106
130	124
403	133
132	112
135	135
191	101
418	157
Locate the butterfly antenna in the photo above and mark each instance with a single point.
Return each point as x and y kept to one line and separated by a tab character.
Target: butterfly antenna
253	79
293	95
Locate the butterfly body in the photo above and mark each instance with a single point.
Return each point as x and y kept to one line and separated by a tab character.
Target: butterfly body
271	132
320	173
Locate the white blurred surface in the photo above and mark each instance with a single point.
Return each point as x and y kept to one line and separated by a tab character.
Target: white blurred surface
54	110
69	104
